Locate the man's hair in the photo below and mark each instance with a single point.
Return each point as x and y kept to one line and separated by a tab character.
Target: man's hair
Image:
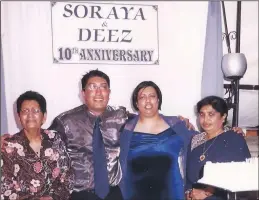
94	73
142	85
34	96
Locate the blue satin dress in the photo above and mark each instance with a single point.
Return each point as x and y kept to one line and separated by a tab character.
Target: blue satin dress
153	166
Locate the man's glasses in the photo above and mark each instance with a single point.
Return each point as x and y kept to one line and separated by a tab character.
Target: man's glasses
34	111
93	86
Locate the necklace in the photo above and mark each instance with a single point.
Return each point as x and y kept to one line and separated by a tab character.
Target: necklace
202	156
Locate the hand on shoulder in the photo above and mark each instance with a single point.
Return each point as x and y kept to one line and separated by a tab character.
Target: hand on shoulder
187	122
3	140
238	130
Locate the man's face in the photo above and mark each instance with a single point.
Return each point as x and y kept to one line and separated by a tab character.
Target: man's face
96	95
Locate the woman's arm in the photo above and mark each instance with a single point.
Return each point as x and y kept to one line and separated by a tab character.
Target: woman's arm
7	177
201	193
188	183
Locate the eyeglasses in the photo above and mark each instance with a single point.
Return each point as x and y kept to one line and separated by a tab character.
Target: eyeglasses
153	98
93	86
34	111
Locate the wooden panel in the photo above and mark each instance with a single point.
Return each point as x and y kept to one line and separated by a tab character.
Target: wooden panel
252	133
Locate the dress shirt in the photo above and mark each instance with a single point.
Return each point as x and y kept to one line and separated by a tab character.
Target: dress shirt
77	127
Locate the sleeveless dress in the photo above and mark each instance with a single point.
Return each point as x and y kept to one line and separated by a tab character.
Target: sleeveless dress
153	166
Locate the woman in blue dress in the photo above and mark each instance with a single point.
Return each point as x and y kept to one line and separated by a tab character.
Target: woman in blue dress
153	149
215	144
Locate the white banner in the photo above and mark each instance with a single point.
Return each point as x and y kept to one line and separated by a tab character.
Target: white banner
104	33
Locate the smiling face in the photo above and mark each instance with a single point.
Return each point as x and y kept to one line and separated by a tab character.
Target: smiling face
210	120
147	102
96	95
31	116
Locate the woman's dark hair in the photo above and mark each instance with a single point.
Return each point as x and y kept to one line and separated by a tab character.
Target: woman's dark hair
217	104
94	73
142	85
31	95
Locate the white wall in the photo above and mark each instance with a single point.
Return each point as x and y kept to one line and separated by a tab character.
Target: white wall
27	56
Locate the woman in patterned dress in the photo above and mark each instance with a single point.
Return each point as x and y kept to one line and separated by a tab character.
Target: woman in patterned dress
35	164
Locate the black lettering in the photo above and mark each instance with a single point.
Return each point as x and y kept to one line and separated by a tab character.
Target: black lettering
113	12
126	12
68	53
96	12
81	34
82	54
96	35
76	11
122	55
115	55
110	36
90	54
123	39
150	53
103	57
136	56
67	8
129	54
141	14
108	55
143	56
96	51
60	53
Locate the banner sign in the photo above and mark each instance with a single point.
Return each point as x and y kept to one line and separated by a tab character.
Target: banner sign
104	33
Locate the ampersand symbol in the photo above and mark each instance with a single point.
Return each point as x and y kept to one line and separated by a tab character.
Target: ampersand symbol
104	24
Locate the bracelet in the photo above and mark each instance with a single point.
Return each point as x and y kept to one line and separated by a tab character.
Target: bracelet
188	191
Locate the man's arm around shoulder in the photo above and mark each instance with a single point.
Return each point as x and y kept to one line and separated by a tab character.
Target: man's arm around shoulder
58	126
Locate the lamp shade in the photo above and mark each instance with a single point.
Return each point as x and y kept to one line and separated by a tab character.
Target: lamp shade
234	65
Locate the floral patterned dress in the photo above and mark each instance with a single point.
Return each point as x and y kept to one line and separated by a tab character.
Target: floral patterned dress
25	175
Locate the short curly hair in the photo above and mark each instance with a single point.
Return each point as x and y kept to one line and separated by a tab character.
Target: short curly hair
31	95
